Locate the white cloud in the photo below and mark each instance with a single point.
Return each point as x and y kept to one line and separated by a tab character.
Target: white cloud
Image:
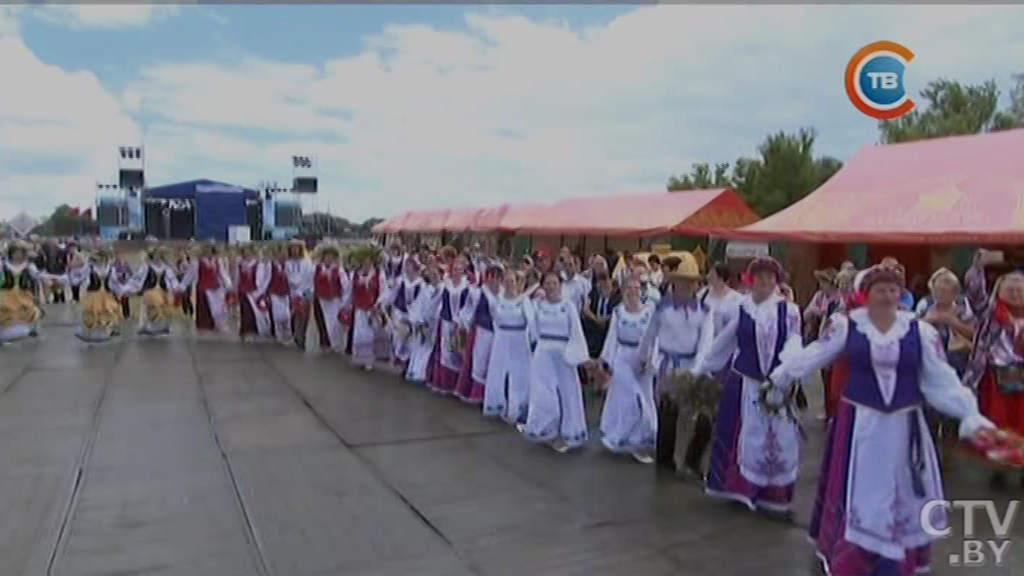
9	20
510	109
80	16
53	117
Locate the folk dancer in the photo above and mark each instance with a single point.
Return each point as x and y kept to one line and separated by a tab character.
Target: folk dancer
478	322
155	279
394	263
996	366
881	469
300	280
400	298
677	337
123	274
449	346
823	305
101	310
252	279
210	276
331	295
423	319
755	456
556	415
183	264
280	297
368	293
19	284
629	419
507	385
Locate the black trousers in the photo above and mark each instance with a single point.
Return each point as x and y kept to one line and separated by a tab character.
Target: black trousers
126	307
668	433
186	303
75	294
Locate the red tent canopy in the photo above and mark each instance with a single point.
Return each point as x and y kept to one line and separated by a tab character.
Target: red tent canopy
694	212
958	190
658	214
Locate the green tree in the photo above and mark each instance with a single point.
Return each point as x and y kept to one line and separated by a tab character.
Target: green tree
67	221
784	171
949	108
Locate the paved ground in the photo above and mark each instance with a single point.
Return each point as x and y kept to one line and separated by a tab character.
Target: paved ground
207	458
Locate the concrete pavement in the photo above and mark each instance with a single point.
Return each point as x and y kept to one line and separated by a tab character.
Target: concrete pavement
210	458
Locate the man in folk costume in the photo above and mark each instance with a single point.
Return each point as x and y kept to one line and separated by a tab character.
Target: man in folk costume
449	347
755	456
995	368
368	291
300	280
252	281
681	331
476	319
101	310
331	295
155	280
19	285
403	293
213	285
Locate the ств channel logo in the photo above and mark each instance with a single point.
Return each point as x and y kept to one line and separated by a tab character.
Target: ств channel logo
874	80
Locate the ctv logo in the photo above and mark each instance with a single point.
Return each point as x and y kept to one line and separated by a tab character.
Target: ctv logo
976	552
874	80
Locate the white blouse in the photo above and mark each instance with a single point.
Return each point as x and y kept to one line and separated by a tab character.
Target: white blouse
940	385
766	322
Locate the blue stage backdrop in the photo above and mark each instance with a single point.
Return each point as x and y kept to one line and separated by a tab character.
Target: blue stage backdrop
217	205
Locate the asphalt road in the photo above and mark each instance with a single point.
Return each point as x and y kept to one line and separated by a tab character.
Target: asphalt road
211	458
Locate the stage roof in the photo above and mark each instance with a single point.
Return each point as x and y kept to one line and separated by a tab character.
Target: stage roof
957	190
695	212
188	190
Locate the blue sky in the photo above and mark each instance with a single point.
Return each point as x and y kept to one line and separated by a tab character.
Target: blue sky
420	107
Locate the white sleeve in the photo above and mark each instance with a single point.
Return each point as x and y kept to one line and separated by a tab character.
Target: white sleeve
820	353
707	338
650	335
794	336
346	288
942	387
722	349
576	351
225	276
611	340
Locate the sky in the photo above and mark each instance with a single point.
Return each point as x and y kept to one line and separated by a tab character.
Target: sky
417	107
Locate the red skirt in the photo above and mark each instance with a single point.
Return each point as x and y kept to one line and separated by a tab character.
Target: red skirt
1006	411
835	378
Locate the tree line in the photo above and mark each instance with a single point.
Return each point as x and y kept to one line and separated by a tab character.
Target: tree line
786	168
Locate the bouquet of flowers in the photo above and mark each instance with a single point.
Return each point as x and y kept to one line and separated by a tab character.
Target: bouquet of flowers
402	329
345	316
998	448
700	393
457	344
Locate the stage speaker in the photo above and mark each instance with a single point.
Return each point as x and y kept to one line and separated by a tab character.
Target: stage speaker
304	185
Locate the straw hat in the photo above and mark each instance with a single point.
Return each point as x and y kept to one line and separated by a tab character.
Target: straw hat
687	268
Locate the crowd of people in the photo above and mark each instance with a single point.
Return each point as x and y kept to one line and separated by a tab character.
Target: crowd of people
700	375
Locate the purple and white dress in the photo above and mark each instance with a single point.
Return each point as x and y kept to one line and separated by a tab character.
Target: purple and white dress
447	361
880	465
755	456
400	297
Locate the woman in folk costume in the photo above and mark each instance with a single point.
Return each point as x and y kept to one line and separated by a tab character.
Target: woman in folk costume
400	298
881	468
252	279
184	276
477	319
678	335
393	263
755	455
279	292
369	288
123	274
996	365
19	284
101	310
629	419
422	319
300	271
556	415
213	285
331	295
449	346
507	385
155	279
